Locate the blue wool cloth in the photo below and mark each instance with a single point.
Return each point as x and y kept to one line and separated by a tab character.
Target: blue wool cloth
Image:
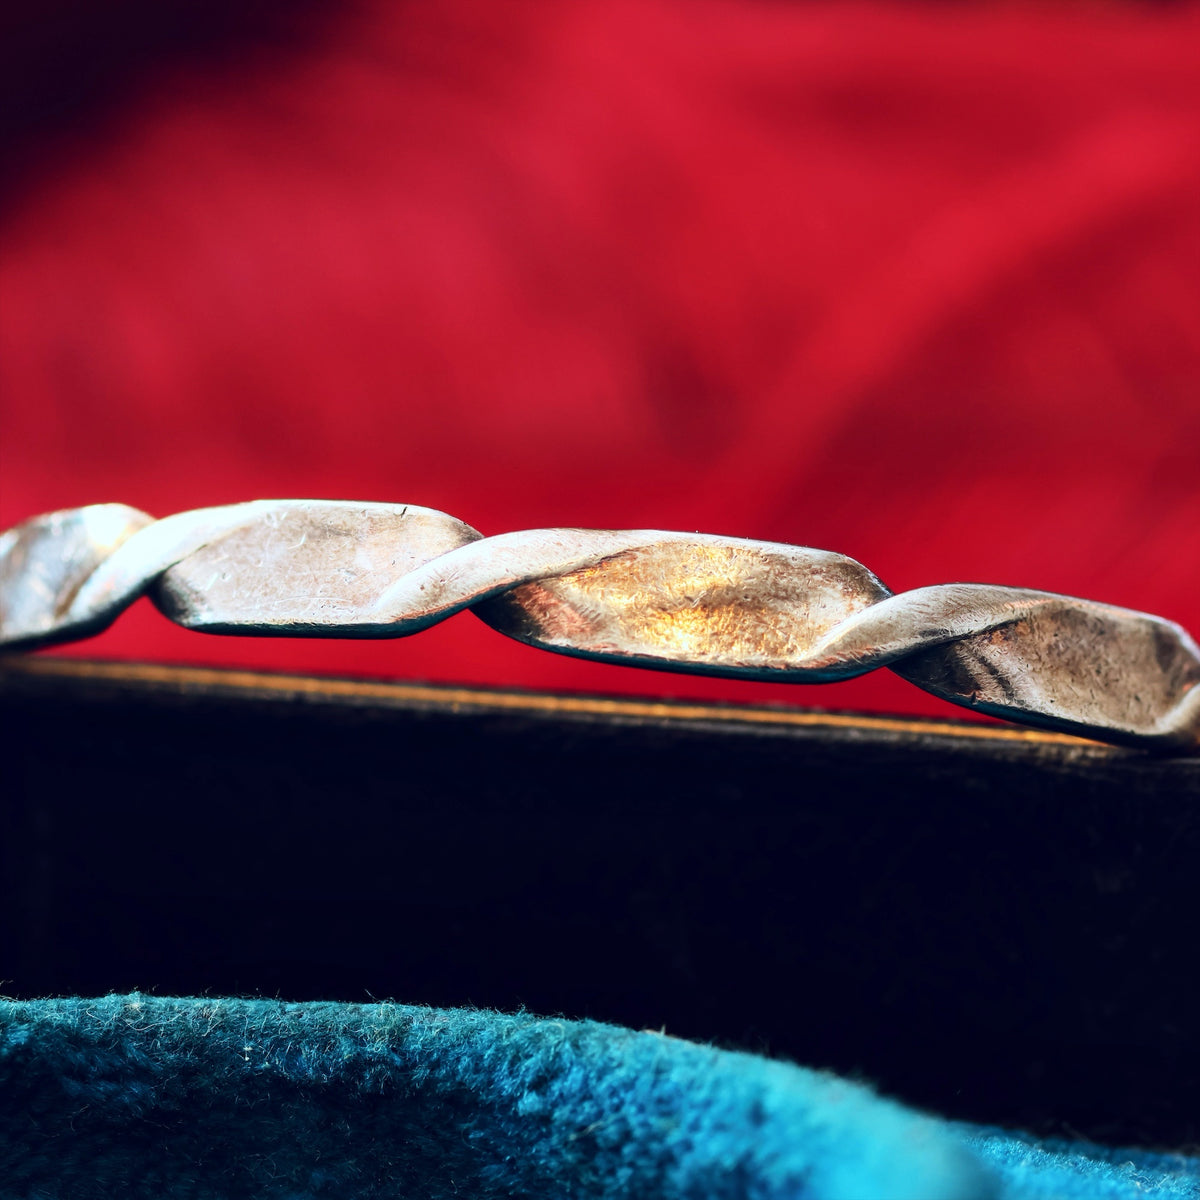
141	1096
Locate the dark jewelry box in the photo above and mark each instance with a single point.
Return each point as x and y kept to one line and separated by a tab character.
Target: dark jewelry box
992	923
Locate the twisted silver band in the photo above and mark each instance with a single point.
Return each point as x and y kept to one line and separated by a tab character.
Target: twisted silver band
672	601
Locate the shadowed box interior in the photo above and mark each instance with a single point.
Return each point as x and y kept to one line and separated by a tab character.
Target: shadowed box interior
995	924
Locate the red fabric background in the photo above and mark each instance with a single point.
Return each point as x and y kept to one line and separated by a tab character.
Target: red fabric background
920	284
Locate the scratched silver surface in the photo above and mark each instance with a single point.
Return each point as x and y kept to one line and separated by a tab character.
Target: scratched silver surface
671	601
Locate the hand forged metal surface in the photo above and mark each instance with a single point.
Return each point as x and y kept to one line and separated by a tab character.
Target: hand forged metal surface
671	601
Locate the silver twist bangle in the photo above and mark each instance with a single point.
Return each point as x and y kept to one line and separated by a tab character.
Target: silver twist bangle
671	601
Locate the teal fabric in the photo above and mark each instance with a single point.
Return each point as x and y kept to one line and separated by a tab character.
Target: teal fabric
141	1096
1056	1170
